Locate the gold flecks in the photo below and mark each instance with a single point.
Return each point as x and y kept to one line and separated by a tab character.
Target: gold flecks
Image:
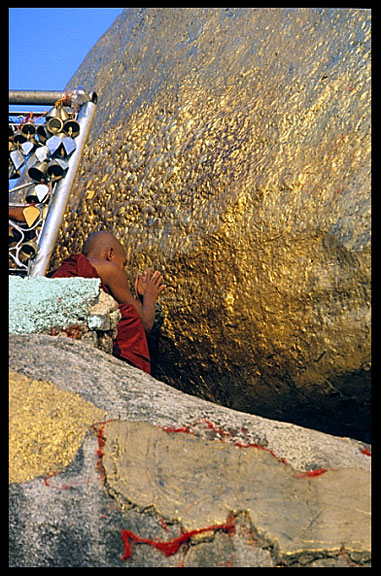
198	482
47	426
240	167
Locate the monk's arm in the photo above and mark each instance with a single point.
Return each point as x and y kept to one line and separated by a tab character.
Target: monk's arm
116	281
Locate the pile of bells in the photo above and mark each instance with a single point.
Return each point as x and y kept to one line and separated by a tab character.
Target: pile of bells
24	221
47	146
51	142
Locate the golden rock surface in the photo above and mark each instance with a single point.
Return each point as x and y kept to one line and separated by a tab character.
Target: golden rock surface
47	426
231	150
198	482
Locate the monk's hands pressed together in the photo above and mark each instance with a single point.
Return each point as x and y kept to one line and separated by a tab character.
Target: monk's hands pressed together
149	285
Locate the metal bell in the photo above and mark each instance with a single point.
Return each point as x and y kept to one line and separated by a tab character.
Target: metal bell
42	134
29	129
71	127
57	168
29	249
14	235
37	172
58	112
44	209
56	118
12	173
54	125
38	194
19	137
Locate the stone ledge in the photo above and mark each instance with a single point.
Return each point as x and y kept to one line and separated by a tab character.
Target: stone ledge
69	307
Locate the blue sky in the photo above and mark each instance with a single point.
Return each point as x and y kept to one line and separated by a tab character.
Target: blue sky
48	45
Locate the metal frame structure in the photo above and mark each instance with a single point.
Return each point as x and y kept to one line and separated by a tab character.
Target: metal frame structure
52	217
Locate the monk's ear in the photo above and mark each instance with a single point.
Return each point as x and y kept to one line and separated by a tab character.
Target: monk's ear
110	254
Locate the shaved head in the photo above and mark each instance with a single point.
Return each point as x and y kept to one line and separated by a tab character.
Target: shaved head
99	243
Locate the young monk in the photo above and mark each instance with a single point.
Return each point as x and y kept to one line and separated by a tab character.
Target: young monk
103	257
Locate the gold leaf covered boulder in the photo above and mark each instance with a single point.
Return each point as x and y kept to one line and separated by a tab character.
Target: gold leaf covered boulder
231	150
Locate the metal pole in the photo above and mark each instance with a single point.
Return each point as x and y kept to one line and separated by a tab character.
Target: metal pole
61	195
44	97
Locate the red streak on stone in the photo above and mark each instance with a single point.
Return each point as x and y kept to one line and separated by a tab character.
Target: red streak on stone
50	475
163	524
216	429
101	443
311	473
366	452
179	429
347	559
225	434
171	547
73	331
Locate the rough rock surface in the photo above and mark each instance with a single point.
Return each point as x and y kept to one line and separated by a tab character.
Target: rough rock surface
69	307
111	467
231	149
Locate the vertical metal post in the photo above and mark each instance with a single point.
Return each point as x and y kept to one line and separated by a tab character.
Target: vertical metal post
61	195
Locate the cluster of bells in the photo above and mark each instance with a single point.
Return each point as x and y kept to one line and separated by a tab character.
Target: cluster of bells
25	220
51	143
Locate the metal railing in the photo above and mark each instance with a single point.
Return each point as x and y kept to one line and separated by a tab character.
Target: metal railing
45	150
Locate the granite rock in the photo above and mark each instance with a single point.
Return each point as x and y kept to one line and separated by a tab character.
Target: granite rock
119	469
68	307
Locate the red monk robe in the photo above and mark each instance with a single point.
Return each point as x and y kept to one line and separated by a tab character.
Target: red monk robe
130	342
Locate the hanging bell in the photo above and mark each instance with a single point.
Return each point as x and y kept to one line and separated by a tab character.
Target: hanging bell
57	168
54	125
29	249
38	194
44	209
55	119
12	173
19	137
71	127
14	235
58	112
37	172
29	129
42	134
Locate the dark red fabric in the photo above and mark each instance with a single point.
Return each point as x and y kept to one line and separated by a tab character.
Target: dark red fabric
130	343
77	265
